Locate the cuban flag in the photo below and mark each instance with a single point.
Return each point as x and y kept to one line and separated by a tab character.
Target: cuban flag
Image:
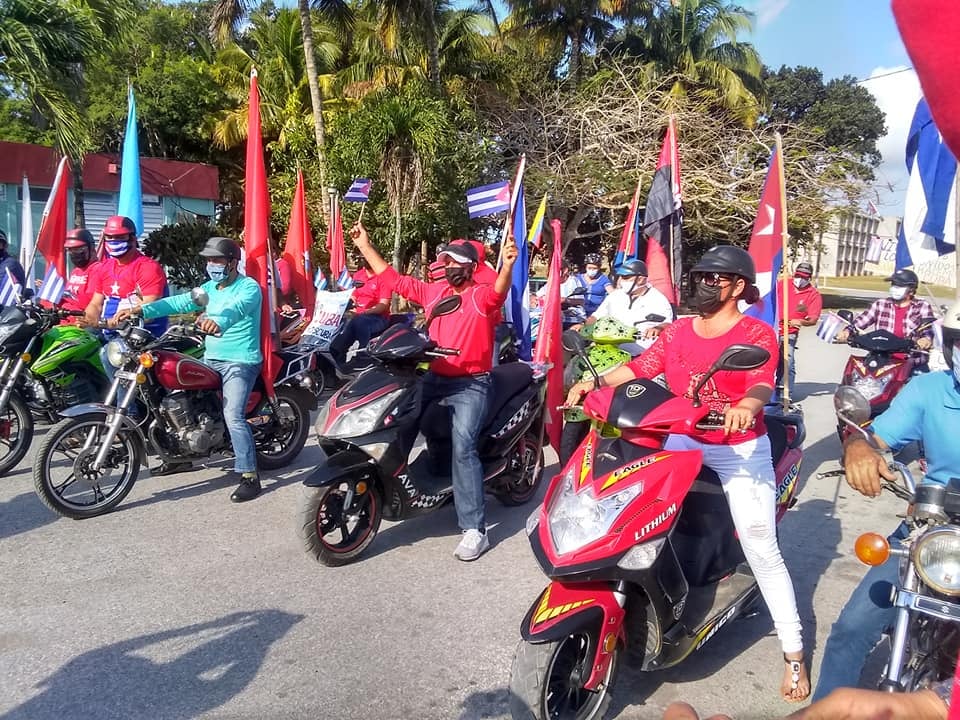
52	287
928	229
345	281
829	327
874	250
9	289
320	280
359	191
629	247
489	199
767	240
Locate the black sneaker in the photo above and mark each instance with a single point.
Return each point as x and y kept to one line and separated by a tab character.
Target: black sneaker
248	488
171	468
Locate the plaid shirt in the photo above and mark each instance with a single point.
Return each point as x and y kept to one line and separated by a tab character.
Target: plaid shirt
883	314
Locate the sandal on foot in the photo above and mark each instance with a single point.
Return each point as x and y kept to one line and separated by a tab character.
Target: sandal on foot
799	689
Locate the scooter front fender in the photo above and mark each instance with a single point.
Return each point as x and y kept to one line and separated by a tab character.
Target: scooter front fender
566	609
339	466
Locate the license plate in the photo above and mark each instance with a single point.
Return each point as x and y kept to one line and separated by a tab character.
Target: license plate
125	375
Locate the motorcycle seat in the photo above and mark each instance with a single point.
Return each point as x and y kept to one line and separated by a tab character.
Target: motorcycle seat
507	381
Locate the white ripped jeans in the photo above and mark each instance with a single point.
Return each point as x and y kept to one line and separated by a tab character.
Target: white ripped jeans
748	480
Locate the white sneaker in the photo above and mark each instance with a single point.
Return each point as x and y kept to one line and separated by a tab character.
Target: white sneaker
472	545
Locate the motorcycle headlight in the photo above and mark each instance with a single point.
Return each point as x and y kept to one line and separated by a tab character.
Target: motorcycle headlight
936	556
360	421
871	387
578	519
116	353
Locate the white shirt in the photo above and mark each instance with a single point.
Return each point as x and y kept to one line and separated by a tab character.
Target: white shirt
617	306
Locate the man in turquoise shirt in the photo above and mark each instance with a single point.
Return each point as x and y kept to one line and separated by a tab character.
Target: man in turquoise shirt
232	348
927	409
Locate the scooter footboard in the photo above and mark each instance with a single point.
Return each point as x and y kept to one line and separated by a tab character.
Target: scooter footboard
590	608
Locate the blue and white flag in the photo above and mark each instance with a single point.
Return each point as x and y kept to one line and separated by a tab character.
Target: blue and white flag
359	191
320	280
52	287
829	327
345	281
489	199
131	192
518	298
9	289
928	229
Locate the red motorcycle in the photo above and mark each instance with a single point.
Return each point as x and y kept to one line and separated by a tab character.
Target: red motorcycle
639	545
880	374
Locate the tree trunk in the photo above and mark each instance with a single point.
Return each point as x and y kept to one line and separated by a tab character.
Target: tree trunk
433	46
396	237
316	98
575	52
424	265
79	217
570	231
492	12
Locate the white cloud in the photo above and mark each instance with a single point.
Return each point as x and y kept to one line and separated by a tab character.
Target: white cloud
768	11
897	94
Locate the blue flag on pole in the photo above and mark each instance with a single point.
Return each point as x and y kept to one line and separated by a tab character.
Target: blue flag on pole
518	299
928	230
131	192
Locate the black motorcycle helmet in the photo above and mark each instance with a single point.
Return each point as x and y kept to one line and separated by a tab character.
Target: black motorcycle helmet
221	247
593	259
904	278
632	268
728	260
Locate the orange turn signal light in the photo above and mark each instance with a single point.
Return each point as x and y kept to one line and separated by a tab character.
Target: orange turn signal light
146	359
872	549
609	643
26	357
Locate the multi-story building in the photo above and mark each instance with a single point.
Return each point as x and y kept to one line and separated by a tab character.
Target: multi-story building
845	243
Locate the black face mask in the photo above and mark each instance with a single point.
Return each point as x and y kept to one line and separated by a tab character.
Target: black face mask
80	258
456	275
706	300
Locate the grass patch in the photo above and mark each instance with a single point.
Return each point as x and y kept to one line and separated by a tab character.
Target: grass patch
876	282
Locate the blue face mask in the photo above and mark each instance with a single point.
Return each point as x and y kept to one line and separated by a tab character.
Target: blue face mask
215	272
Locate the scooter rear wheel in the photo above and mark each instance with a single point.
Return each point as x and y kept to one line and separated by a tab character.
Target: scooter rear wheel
546	681
336	535
522	477
16	430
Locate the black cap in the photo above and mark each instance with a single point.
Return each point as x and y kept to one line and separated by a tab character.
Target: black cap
904	278
804	267
632	268
221	247
460	250
728	259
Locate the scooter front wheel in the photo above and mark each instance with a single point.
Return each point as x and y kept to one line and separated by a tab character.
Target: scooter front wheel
337	525
546	681
16	430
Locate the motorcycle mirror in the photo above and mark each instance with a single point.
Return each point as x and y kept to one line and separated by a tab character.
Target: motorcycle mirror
448	305
851	406
734	358
653	317
846	315
578	291
573	342
199	297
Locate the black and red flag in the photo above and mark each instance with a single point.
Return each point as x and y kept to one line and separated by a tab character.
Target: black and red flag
662	219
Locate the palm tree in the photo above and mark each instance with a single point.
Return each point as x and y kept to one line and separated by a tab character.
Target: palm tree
574	26
695	43
400	17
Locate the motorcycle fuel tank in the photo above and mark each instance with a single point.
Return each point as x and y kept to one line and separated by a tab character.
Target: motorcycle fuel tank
63	343
179	372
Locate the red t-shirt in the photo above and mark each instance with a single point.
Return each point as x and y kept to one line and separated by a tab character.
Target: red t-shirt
284	276
808	296
375	290
899	317
685	357
470	329
117	282
78	284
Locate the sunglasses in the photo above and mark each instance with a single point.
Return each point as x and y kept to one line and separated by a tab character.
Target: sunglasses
713	279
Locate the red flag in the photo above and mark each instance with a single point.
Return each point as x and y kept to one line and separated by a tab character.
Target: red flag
296	251
53	226
661	218
256	233
549	348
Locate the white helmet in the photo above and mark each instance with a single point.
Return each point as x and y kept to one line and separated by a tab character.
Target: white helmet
951	332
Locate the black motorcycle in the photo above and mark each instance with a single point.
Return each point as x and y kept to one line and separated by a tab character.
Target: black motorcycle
367	431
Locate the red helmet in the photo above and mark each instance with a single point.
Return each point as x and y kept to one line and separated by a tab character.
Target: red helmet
78	238
119	225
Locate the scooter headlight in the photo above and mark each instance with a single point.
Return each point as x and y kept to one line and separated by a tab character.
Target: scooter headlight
117	351
360	421
936	556
577	519
871	387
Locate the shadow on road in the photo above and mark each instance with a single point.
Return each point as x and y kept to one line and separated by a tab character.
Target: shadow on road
173	674
23	513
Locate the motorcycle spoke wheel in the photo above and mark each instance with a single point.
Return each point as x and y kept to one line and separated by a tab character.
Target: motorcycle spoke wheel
547	681
16	430
63	471
336	534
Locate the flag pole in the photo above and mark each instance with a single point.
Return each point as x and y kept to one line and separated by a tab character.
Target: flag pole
514	194
784	312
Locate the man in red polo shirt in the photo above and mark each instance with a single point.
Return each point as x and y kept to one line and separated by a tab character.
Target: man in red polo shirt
461	382
804	305
371	312
81	249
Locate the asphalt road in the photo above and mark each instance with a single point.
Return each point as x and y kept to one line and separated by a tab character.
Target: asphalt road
180	604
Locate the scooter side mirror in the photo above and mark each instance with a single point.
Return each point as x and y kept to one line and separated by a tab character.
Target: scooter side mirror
653	317
847	315
736	358
573	342
851	406
199	297
446	306
578	292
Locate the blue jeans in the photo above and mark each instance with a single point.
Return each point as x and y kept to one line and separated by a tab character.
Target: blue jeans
860	626
468	400
792	370
358	329
238	380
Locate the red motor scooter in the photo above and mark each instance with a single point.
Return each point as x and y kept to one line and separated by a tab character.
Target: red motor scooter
639	546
